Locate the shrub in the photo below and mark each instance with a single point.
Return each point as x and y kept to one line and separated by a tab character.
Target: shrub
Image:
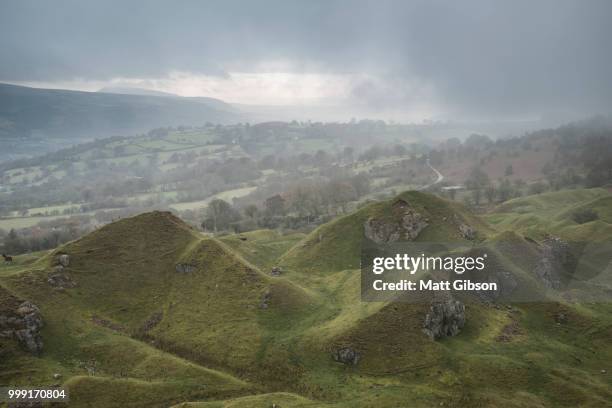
583	216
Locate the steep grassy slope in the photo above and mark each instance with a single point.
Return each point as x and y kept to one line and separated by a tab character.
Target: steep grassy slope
552	212
221	332
337	245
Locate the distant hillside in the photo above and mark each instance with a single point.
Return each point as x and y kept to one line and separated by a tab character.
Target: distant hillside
124	90
34	121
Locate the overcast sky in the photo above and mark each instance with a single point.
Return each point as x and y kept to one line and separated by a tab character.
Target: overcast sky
475	59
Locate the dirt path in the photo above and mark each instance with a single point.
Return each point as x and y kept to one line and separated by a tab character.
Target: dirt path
439	175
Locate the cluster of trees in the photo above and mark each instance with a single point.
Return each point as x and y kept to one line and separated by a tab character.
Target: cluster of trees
596	156
481	187
582	157
50	234
107	184
45	236
304	204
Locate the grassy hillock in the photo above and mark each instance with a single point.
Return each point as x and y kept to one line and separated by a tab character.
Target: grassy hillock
128	289
161	315
553	213
337	245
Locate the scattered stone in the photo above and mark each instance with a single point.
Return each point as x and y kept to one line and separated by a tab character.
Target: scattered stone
508	332
445	318
185	268
561	318
276	271
60	280
57	376
603	371
64	260
265	300
466	231
152	321
346	355
108	324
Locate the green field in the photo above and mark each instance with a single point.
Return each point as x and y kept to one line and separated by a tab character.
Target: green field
226	196
25	222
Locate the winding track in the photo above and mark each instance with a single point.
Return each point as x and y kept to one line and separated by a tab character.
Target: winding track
438	180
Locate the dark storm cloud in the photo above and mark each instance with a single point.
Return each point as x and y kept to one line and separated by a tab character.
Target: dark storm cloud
474	56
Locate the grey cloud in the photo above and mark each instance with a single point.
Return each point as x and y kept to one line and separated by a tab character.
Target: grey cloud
477	56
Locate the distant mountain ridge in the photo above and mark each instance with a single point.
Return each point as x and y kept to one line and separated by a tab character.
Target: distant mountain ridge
35	121
124	90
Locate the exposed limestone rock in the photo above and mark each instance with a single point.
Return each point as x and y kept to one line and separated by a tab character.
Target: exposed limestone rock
406	223
24	324
63	260
556	259
60	280
346	355
466	231
185	268
445	318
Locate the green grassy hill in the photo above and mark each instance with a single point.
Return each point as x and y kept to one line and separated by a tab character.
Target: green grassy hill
129	295
161	315
337	245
